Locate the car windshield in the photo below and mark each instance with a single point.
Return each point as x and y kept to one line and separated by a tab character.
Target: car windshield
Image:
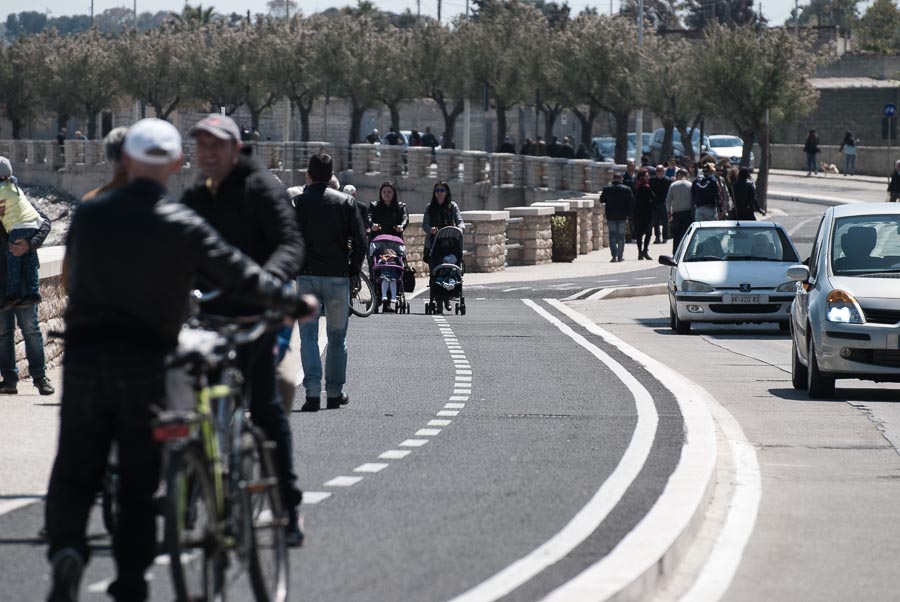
740	244
725	142
865	244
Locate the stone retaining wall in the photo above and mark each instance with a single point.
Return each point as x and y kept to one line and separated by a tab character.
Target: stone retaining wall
533	234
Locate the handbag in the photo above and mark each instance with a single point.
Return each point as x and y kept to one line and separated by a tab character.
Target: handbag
409	279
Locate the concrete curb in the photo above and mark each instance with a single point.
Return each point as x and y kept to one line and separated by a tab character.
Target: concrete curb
624	292
807	198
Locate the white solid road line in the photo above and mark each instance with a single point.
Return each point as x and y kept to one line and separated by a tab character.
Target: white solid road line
796	228
604	500
687	488
581	293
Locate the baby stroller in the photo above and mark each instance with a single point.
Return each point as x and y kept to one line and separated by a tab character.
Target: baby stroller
447	267
388	256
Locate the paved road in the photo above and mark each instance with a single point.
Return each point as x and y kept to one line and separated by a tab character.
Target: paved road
471	441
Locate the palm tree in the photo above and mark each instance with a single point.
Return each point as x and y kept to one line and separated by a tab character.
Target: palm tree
191	15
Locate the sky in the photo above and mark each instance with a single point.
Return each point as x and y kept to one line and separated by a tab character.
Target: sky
774	10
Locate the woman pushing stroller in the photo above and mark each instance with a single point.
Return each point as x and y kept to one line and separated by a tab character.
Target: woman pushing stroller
439	213
387	215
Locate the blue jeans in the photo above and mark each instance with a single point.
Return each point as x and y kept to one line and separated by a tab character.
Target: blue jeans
811	164
27	317
616	237
334	293
850	164
22	272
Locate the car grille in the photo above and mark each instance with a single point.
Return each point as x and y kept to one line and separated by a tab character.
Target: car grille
888	358
882	316
744	308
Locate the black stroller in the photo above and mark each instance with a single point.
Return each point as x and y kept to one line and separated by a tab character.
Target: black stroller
445	281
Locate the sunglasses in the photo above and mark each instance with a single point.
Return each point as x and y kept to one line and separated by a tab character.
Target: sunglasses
440	190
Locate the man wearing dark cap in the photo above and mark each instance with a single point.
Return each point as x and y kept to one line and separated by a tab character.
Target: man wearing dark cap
250	208
618	203
124	314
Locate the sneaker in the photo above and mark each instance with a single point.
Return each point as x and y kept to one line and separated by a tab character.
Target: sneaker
65	575
8	387
43	386
334	403
614	260
311	404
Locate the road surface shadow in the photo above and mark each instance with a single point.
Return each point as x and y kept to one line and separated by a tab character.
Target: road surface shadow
841	395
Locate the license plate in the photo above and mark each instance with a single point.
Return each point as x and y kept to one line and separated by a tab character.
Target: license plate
728	298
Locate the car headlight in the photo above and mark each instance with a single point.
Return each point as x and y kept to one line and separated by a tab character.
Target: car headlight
692	286
786	287
842	307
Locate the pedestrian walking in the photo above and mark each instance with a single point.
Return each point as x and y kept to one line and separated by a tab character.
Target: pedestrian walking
441	211
644	200
679	203
894	184
745	203
250	208
120	325
387	215
659	184
848	147
706	194
811	148
328	219
618	202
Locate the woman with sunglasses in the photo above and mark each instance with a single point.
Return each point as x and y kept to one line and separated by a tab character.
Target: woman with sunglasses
440	212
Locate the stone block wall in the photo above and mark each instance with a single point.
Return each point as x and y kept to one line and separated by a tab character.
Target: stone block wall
585	208
485	240
532	234
415	244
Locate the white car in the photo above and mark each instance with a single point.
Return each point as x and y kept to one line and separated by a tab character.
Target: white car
845	319
731	272
727	147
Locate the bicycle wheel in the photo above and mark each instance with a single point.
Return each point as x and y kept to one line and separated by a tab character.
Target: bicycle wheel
362	299
264	515
195	556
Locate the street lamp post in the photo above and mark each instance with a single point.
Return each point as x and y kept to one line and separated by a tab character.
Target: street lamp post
639	113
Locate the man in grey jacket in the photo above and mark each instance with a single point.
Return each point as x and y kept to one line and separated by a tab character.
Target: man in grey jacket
680	207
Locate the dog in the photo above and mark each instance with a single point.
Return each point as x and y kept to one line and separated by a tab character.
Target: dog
828	168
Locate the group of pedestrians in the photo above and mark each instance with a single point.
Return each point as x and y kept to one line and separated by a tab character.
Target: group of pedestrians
235	230
663	205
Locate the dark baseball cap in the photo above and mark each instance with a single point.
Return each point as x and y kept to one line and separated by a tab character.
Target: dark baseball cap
222	127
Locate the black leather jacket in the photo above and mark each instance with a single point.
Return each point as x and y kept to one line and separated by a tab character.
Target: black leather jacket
327	220
618	201
132	259
388	216
251	210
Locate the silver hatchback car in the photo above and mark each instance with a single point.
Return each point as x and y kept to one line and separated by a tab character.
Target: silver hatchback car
845	317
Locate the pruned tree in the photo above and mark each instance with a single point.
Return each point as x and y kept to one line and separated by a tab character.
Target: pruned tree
349	67
546	70
293	68
842	13
434	71
879	27
775	84
392	53
79	72
703	13
216	62
496	49
659	15
18	90
154	67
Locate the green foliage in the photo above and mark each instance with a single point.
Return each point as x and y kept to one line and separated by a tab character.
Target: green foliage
879	28
703	13
843	13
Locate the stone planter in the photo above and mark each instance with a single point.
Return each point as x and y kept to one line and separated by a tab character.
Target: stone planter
532	236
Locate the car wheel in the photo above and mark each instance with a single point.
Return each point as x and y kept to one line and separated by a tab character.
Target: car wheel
671	318
819	385
678	325
798	370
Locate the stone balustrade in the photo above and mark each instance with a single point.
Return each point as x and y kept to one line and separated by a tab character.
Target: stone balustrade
507	170
418	159
391	160
448	160
364	158
532	235
475	165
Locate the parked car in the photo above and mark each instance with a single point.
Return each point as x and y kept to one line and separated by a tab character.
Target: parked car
604	148
645	137
656	143
727	147
731	272
404	138
845	317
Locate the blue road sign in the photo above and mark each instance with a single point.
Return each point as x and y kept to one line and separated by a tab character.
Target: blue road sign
890	109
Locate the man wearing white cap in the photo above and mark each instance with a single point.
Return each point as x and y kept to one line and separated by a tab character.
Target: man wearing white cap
132	259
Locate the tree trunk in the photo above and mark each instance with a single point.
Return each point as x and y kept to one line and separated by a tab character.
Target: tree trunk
501	124
254	118
587	124
62	120
16	126
91	122
356	115
666	151
621	136
304	122
450	118
170	109
551	114
762	176
394	108
749	137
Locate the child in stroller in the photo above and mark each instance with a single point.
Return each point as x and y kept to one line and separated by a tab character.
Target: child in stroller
446	272
388	254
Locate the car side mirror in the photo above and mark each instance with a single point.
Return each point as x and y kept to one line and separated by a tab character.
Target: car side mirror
666	260
800	273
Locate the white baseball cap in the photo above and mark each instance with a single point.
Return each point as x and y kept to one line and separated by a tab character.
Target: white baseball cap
153	141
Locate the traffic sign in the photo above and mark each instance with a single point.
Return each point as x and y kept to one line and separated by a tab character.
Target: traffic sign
890	109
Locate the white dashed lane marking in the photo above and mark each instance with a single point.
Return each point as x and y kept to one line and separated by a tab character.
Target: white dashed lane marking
395	454
371	467
343	481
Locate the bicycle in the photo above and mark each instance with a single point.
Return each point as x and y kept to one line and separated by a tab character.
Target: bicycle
222	503
362	296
